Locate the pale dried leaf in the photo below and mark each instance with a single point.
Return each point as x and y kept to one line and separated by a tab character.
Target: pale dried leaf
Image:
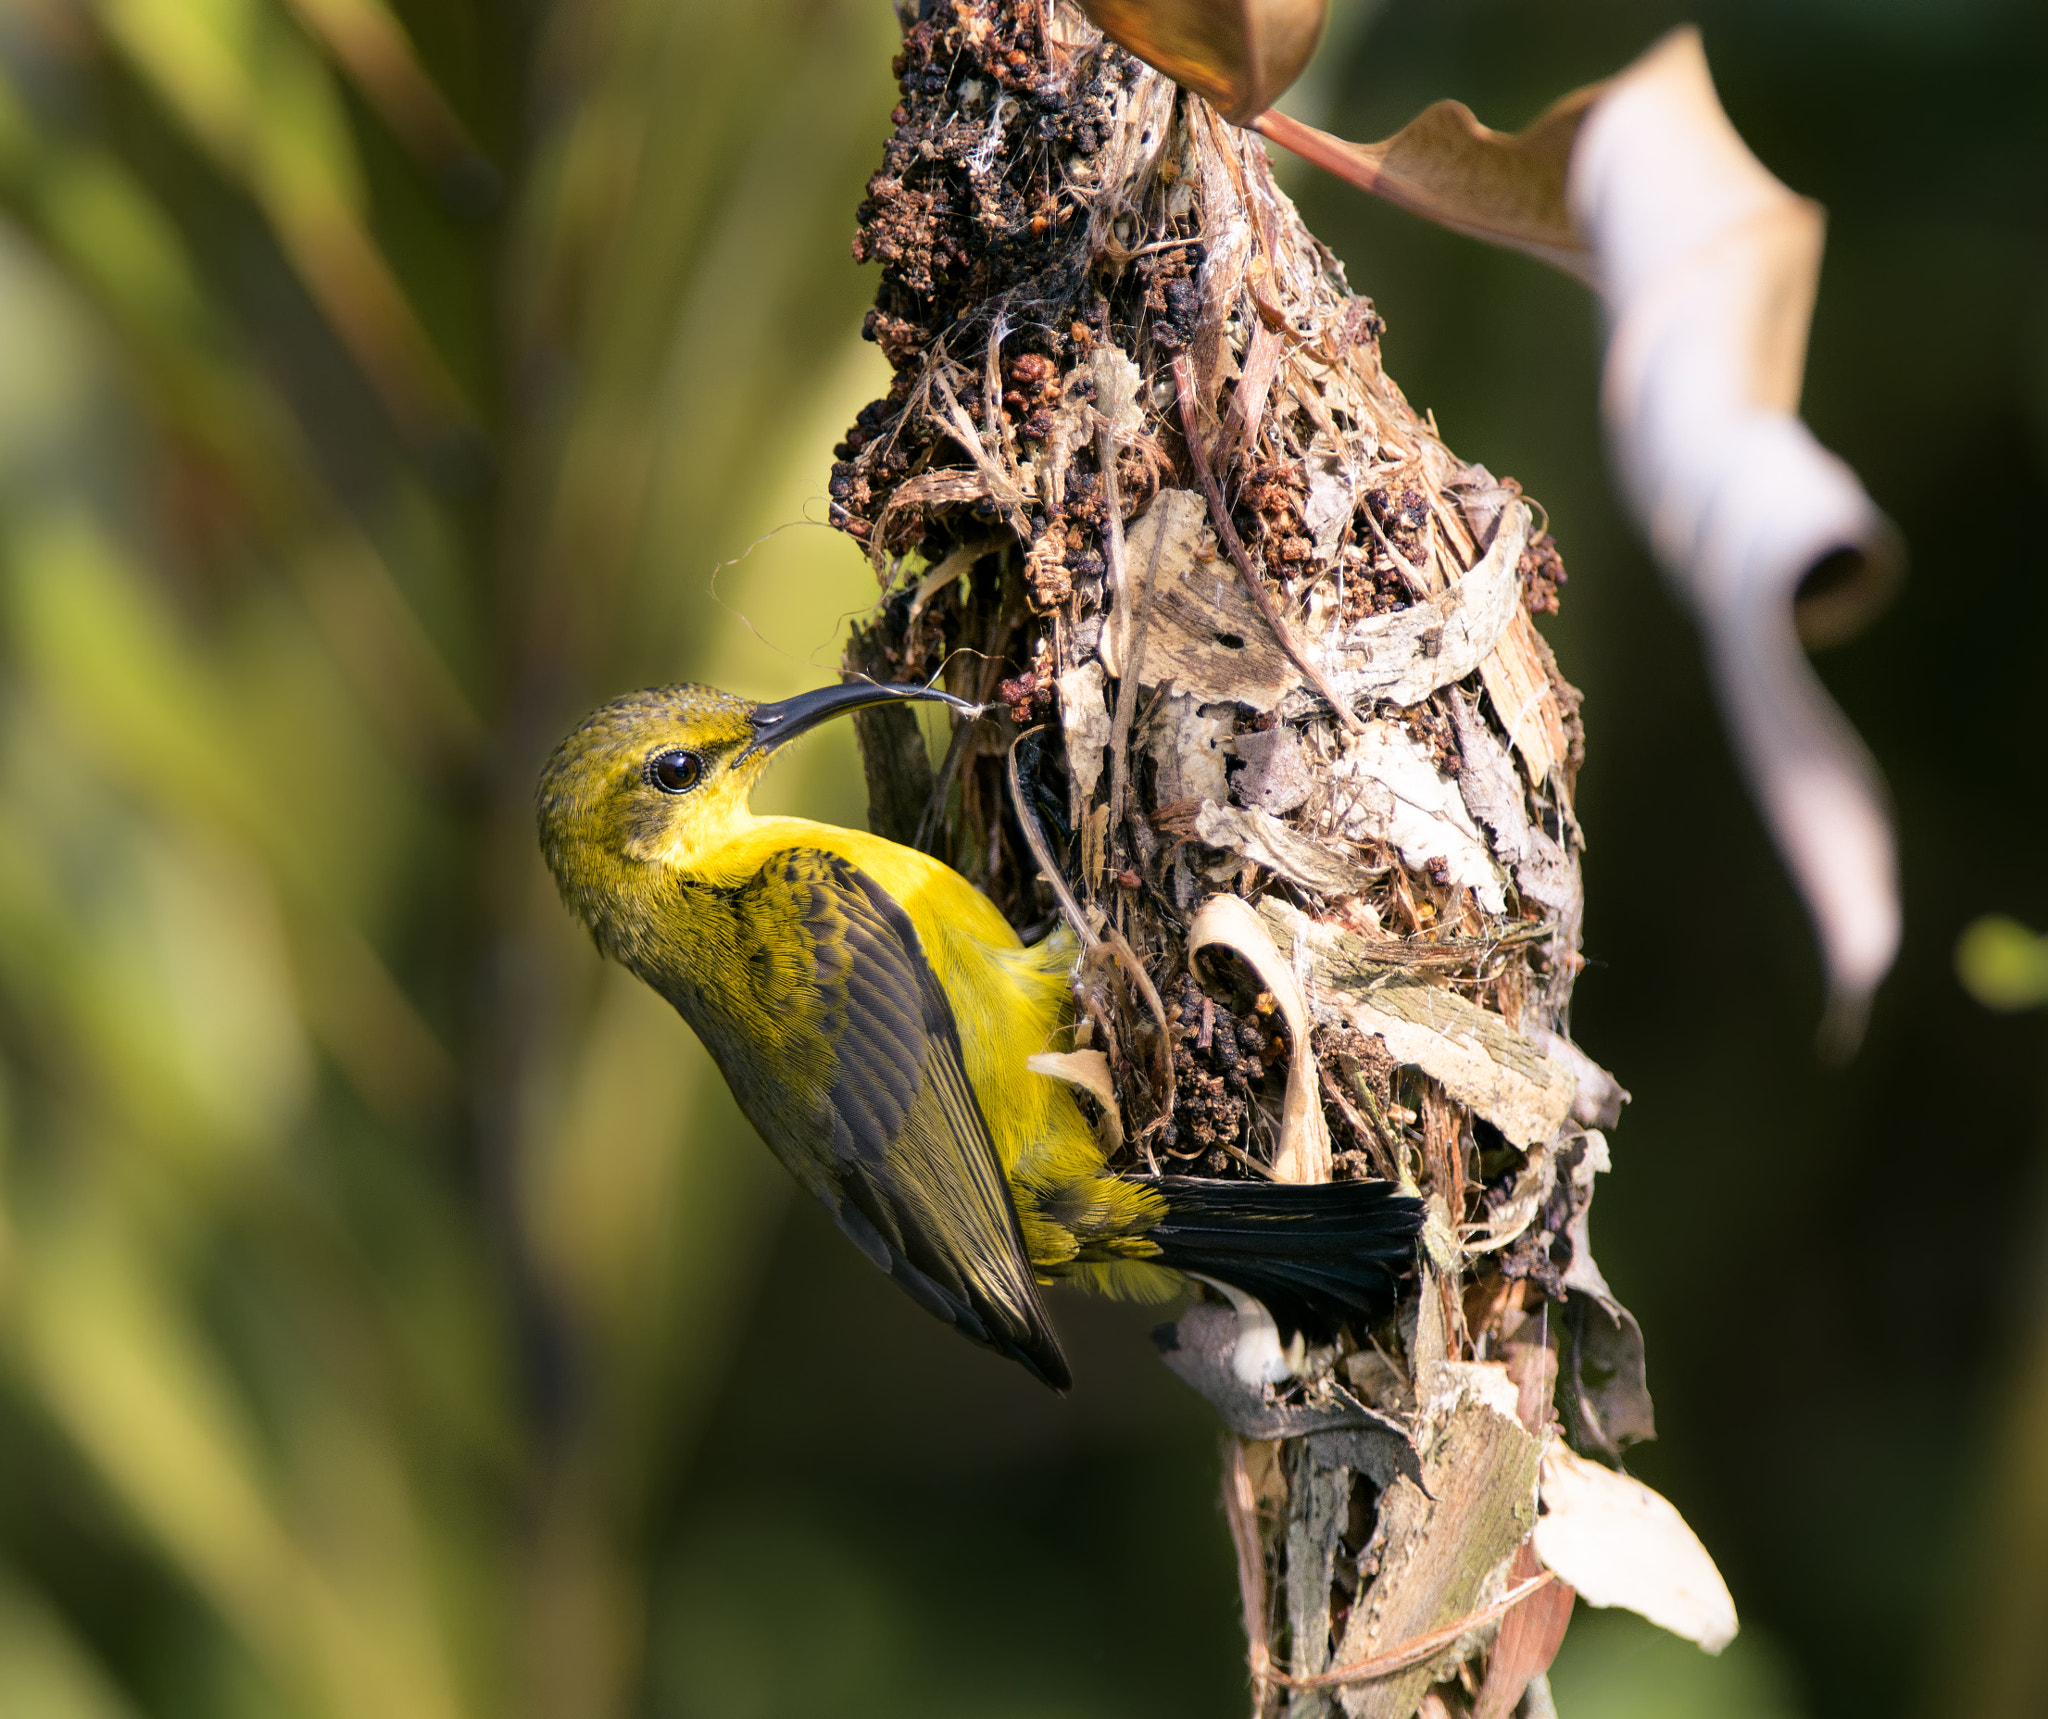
1086	722
1707	265
1480	1061
1620	1544
1517	679
1190	747
1303	1154
1088	1070
1394	793
1203	635
1275	776
1531	1192
1116	391
1404	656
1492	790
1598	1098
1322	867
1202	1346
1443	1546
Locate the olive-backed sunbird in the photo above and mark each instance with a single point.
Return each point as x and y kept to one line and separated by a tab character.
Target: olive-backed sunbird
872	1012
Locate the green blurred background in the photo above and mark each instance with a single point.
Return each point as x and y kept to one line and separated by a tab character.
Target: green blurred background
396	1321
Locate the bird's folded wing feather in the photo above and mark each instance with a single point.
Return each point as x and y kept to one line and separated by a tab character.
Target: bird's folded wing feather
920	1186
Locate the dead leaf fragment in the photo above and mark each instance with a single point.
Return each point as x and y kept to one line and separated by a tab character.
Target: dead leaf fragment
1708	266
1190	746
1529	1638
1492	790
1606	1394
1203	635
1480	1061
1598	1098
1303	1154
1086	722
1276	776
1442	1547
1238	54
1477	1058
1201	1347
1406	655
1395	794
1620	1544
1320	866
1088	1070
1504	187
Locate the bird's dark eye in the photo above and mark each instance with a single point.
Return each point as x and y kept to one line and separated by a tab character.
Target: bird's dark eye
675	772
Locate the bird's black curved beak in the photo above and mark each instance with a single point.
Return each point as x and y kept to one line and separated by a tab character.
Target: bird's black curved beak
774	724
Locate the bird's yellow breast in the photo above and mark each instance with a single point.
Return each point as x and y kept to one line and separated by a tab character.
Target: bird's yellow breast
1009	1002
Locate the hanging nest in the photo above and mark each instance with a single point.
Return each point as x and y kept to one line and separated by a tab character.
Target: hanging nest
1279	735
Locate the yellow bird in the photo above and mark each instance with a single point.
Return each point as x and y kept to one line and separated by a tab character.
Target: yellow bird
873	1012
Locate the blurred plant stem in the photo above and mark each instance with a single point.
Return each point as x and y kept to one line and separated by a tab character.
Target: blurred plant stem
378	390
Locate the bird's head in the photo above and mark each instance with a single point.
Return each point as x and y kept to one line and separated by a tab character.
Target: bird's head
661	778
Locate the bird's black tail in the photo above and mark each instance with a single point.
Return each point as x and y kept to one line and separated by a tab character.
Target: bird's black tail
1318	1254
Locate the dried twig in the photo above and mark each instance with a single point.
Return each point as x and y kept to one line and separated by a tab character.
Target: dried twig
1041	849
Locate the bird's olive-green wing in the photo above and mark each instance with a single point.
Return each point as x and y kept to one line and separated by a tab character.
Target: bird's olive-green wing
914	1177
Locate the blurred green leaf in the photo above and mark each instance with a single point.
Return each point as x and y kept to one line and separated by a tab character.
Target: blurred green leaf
1613	1665
368	1254
2003	964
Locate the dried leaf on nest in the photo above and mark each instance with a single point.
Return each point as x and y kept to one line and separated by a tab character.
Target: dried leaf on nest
1240	54
1322	867
1405	656
1190	747
1492	790
1303	1154
1519	677
1708	266
1389	789
1598	1096
1086	724
1203	635
1620	1544
1472	1053
1089	1071
1528	1641
1505	187
1606	1396
1507	1221
1276	776
1201	1347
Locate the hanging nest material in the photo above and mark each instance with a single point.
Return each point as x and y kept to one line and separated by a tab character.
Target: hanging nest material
1281	738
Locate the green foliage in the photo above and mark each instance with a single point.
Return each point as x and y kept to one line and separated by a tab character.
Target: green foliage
380	391
2003	964
1613	1665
